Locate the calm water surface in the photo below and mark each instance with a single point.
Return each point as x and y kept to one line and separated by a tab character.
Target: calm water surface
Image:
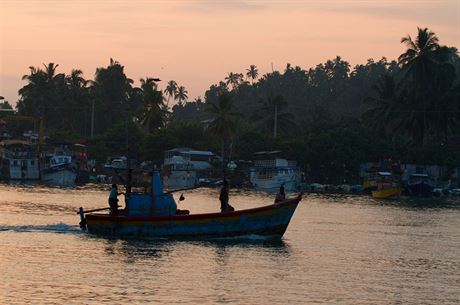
337	250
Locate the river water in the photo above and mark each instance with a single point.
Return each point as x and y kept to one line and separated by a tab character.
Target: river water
337	250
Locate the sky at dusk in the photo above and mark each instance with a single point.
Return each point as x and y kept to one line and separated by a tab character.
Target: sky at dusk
197	42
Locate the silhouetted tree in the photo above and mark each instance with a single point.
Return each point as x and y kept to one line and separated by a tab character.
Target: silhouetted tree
171	90
252	73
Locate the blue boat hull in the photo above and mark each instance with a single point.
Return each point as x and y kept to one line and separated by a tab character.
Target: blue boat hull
270	221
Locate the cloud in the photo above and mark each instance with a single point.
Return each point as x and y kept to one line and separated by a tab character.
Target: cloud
207	6
440	12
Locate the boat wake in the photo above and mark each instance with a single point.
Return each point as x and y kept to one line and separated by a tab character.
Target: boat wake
249	237
52	228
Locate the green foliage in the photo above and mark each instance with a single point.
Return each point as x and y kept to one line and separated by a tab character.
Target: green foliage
420	101
329	118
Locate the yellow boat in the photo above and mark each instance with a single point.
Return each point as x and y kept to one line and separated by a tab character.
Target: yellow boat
386	187
390	192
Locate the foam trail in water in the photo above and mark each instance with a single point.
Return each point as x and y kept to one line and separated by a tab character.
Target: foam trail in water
54	228
249	237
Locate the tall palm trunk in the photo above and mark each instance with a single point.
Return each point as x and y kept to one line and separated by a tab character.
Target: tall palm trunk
223	155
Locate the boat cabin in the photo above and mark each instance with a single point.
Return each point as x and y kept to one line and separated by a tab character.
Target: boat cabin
116	162
56	161
153	201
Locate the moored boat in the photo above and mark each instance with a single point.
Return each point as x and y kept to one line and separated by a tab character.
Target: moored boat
155	215
19	160
270	172
387	187
390	192
420	185
59	171
182	166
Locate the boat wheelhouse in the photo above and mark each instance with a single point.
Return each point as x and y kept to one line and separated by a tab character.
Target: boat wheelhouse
270	171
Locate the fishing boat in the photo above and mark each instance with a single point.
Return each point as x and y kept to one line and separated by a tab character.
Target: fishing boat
420	185
59	170
154	214
182	166
19	160
270	172
387	187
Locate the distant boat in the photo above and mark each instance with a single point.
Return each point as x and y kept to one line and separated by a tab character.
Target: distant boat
270	172
387	187
181	166
420	185
80	161
116	163
155	215
19	160
59	170
370	183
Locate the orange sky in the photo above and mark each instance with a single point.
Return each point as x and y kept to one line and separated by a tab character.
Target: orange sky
197	42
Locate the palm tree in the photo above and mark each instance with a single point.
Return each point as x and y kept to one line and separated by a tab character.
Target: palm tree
153	111
427	74
387	113
418	62
75	79
111	92
33	95
171	90
181	95
234	79
40	96
50	71
252	73
223	123
272	113
77	97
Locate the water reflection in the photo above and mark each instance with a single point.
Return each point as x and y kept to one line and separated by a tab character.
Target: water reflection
27	207
154	248
337	250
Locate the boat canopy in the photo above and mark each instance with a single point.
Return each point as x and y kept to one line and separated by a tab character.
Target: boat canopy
154	203
263	153
420	175
15	142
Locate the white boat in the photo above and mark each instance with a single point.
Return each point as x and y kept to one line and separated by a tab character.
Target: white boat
116	163
19	160
270	172
181	165
59	171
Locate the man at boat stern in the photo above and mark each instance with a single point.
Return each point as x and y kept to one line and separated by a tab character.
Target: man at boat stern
223	197
113	200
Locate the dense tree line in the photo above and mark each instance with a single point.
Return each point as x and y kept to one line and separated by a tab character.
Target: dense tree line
329	118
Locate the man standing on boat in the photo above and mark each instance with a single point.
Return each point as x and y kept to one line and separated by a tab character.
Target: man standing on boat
281	195
113	200
223	197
